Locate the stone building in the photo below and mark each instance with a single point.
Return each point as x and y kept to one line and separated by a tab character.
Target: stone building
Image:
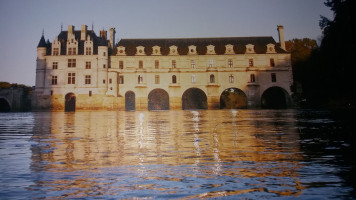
80	70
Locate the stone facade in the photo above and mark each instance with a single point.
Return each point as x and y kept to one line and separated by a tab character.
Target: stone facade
92	72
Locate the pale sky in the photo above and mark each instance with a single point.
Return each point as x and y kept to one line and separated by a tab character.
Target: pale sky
22	22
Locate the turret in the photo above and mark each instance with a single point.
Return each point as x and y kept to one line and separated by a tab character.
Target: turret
41	48
281	37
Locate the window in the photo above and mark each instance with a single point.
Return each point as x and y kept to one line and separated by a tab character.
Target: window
110	80
271	62
87	65
55	65
104	81
88	51
87	79
229	62
274	77
55	51
192	64
104	53
212	78
173	63
174	79
104	66
121	79
140	79
250	62
140	64
71	63
51	92
72	51
90	93
156	63
71	78
252	78
121	64
54	80
211	63
231	79
157	79
193	78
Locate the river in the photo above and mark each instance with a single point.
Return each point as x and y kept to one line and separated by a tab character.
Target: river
227	154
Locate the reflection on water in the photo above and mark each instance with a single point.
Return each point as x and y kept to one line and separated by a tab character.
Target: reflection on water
170	154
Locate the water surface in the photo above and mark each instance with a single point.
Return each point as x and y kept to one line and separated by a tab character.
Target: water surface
230	154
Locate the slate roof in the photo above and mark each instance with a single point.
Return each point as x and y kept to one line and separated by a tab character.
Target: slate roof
62	37
97	41
42	42
201	43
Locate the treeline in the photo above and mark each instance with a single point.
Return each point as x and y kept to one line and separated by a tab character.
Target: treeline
9	85
326	75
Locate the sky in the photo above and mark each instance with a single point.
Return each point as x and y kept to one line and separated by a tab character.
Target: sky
22	23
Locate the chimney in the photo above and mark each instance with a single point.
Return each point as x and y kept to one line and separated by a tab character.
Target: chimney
103	34
70	29
112	37
83	33
281	37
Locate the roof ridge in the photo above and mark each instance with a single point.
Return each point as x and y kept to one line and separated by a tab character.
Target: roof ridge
195	38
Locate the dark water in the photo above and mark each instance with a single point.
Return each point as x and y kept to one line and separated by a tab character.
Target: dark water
227	154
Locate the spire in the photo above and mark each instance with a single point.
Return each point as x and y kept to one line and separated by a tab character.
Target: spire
42	42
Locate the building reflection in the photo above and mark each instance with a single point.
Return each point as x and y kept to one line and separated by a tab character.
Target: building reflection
235	143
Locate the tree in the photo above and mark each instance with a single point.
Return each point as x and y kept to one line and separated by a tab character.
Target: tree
337	50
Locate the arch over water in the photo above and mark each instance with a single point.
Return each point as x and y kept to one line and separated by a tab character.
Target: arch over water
233	98
4	105
69	105
275	98
130	101
194	98
158	99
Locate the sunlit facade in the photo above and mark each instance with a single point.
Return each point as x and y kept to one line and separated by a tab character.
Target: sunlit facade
80	70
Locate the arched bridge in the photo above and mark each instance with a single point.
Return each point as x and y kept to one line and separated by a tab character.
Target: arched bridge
15	99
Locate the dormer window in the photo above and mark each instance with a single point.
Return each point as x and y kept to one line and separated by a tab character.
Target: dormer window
140	51
156	51
270	48
250	48
121	51
229	49
192	50
56	47
71	45
55	51
88	46
173	50
88	51
210	49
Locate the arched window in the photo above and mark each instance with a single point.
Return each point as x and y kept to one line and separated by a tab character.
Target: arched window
212	78
174	79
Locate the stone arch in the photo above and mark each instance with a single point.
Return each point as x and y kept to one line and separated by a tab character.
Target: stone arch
70	100
233	98
4	105
158	99
194	98
130	102
275	98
